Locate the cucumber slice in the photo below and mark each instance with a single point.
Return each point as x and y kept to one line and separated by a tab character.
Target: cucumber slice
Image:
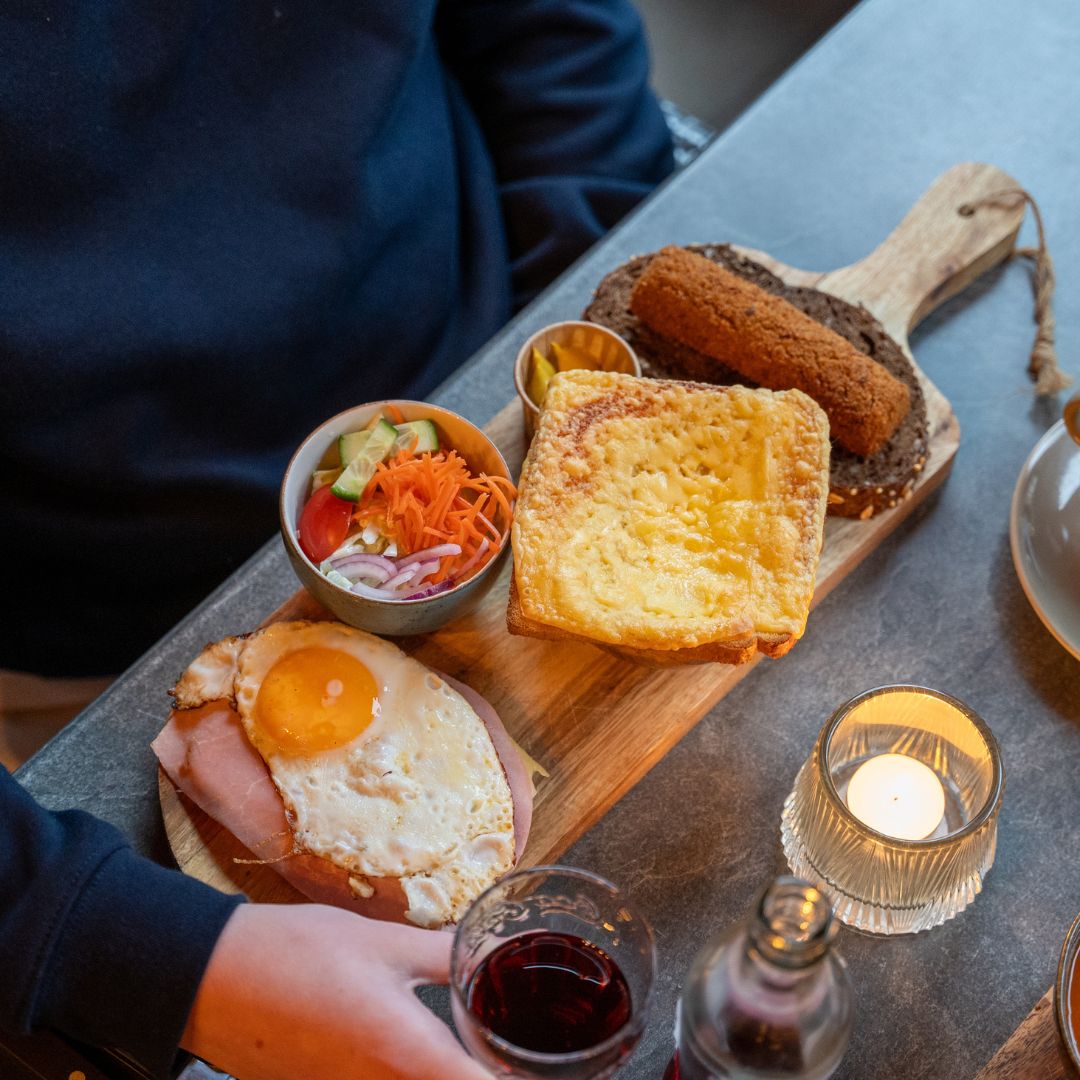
385	427
350	485
351	444
419	436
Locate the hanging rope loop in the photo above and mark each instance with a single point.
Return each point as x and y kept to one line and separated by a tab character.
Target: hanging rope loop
1043	366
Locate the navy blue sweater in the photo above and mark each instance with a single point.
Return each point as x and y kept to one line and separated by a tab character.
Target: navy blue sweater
219	224
96	942
222	223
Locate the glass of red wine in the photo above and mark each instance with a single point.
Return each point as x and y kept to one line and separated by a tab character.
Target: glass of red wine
551	976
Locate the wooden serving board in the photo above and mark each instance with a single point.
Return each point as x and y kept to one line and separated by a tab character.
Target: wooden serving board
1033	1051
557	699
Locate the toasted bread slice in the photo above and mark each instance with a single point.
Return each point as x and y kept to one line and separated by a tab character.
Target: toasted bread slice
670	522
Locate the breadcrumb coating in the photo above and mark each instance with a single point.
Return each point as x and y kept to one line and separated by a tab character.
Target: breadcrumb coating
690	299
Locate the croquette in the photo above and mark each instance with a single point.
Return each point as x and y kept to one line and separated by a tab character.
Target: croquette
691	300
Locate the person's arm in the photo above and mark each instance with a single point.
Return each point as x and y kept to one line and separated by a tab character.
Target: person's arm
96	942
560	88
107	947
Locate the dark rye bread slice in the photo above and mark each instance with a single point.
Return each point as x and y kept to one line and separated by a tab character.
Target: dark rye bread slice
859	486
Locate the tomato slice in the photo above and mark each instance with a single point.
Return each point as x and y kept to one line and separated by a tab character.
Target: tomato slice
324	524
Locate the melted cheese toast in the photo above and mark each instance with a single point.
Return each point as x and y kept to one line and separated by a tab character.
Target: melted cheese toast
675	522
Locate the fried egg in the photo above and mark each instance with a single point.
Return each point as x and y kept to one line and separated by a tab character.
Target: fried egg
383	768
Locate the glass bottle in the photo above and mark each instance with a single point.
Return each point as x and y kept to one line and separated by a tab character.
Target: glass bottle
769	998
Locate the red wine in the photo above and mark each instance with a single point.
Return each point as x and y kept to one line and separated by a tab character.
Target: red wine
550	992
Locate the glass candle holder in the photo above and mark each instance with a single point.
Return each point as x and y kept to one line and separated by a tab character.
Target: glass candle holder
894	814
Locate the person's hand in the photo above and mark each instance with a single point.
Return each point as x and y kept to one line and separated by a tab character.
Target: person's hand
305	991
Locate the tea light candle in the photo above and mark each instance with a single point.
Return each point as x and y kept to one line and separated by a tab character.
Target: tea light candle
897	795
853	822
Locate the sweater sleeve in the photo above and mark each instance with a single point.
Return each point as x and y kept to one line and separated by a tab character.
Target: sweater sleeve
560	88
97	942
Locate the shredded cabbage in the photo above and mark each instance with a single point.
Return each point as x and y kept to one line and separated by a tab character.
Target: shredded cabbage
336	578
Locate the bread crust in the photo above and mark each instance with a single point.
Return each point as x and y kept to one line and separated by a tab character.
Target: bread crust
734	651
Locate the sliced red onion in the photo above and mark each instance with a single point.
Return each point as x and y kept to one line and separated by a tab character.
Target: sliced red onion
361	589
373	566
429	553
402	578
430	590
424	569
377	560
373	575
476	556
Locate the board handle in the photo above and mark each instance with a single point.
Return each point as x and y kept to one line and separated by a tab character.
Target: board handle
937	250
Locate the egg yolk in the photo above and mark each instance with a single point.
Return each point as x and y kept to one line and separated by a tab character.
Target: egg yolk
315	699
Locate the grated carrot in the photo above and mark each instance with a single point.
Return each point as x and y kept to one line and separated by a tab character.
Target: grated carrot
427	499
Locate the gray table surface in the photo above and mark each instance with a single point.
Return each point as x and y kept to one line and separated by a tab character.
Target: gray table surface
816	172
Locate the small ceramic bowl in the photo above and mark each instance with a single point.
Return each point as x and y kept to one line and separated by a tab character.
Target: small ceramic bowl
394	618
1070	1051
611	353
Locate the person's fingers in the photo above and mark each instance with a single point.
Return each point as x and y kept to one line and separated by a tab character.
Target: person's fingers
421	956
434	1053
427	957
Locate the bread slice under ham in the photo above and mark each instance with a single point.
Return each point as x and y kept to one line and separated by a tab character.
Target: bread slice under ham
209	758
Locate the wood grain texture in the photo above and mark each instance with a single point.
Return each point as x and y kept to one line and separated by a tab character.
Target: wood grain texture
1033	1051
599	723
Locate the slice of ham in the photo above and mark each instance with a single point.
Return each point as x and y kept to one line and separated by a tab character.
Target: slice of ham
209	758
